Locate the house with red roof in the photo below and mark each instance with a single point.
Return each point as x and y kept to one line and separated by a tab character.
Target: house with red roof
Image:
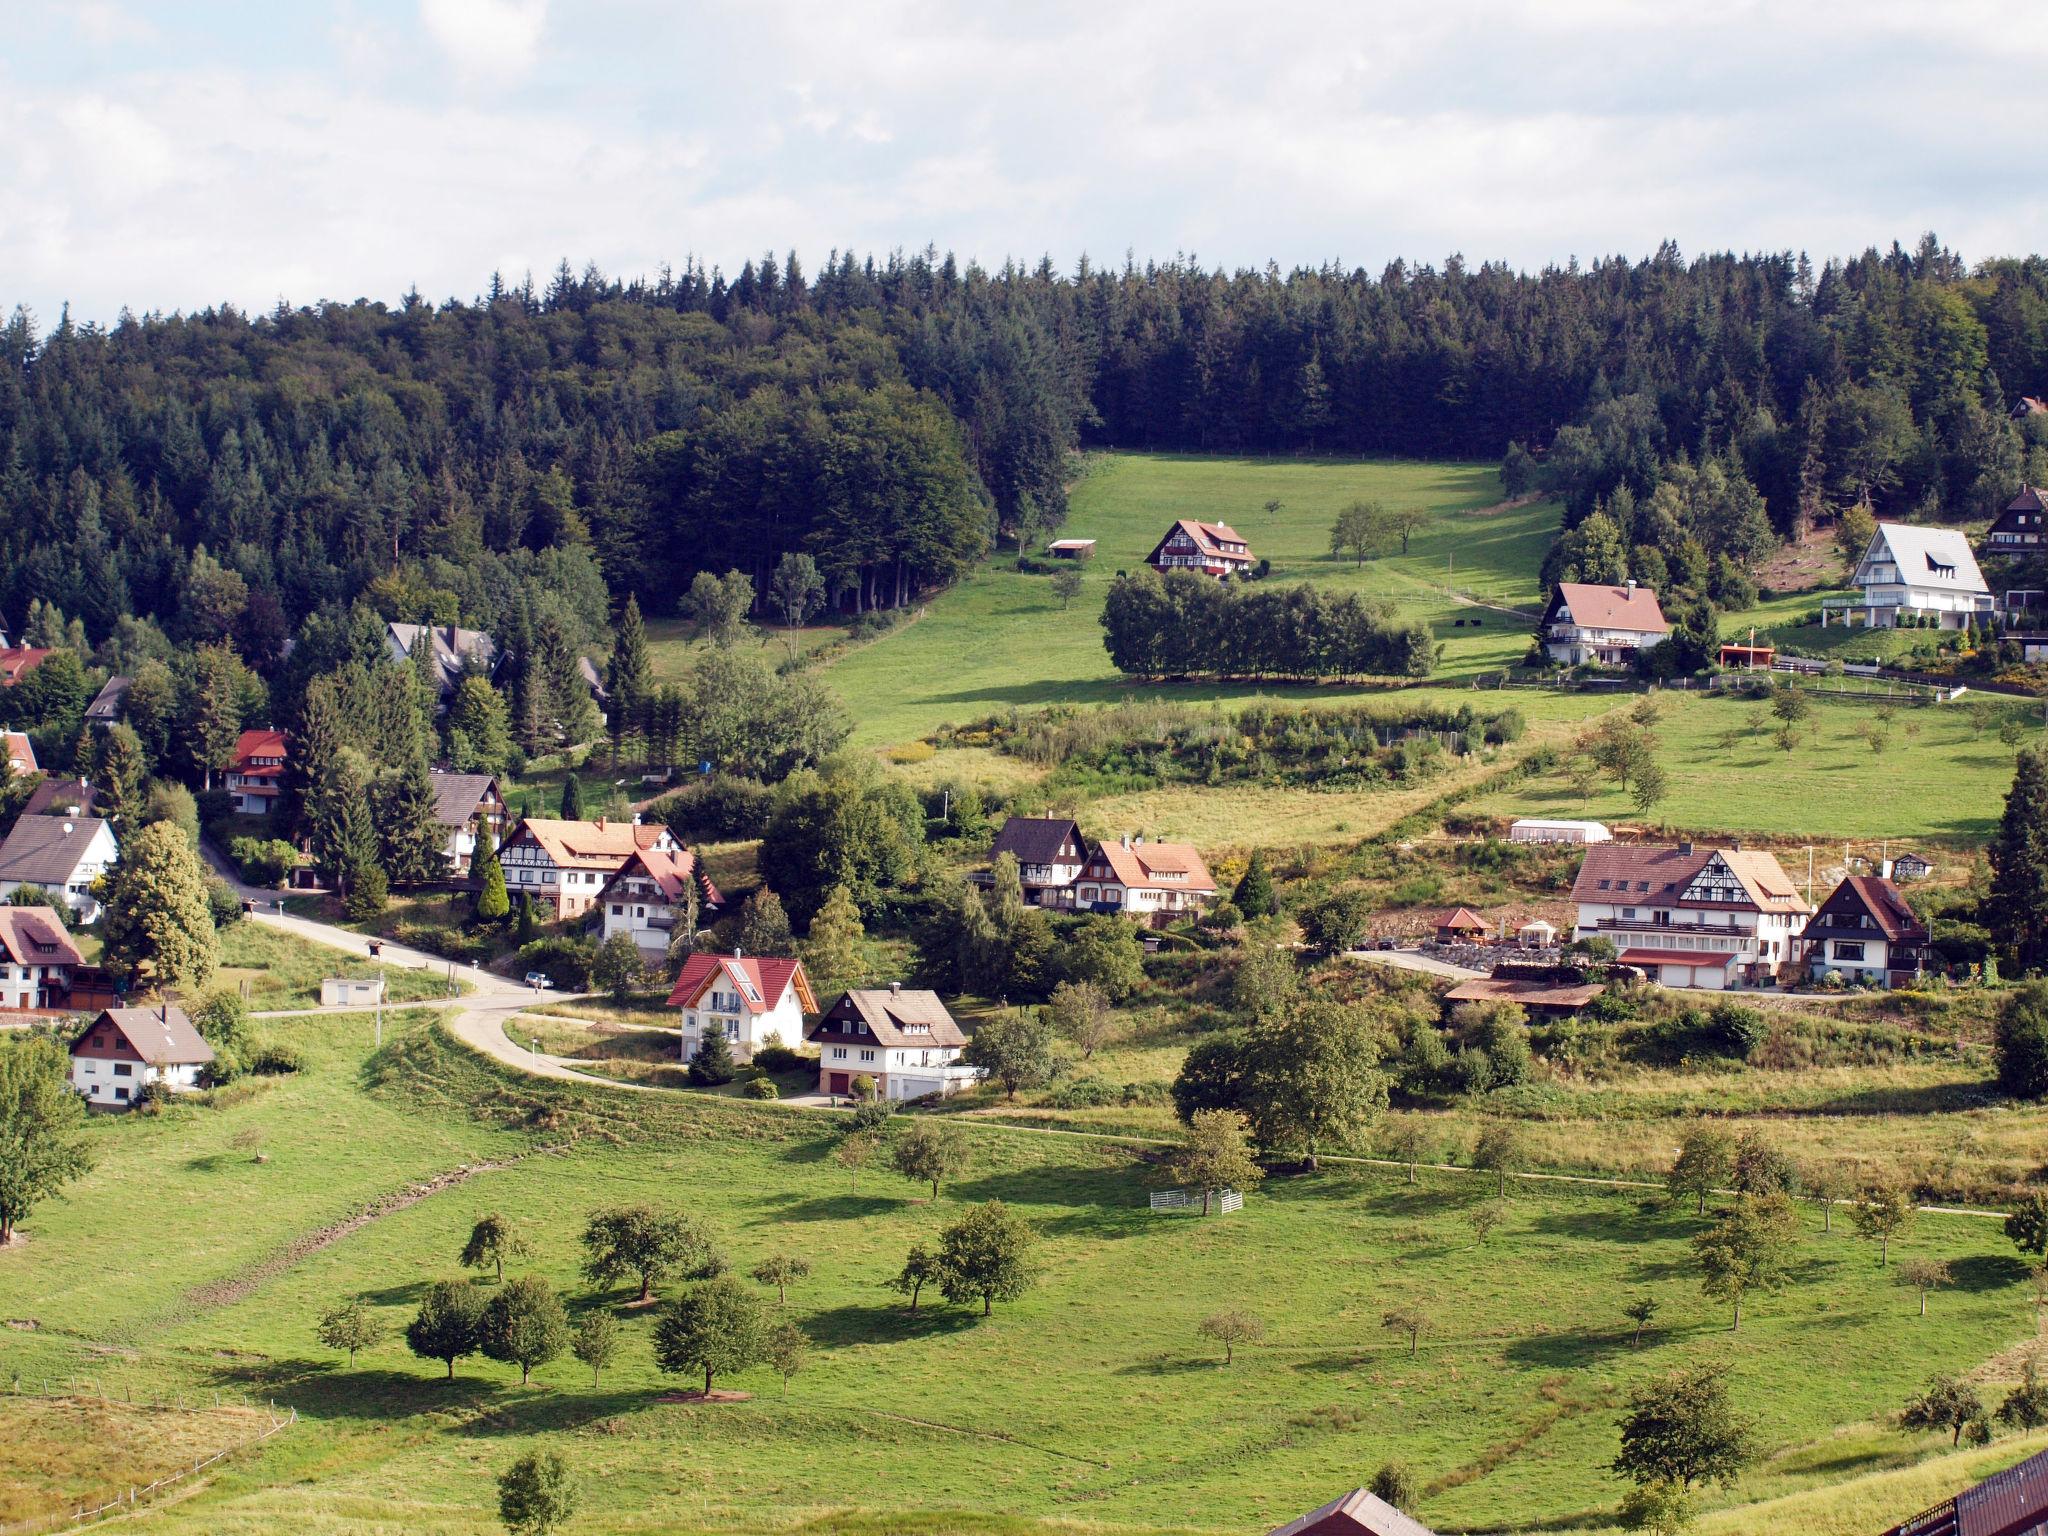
17	661
1214	549
256	777
124	1050
750	999
37	957
21	753
1357	1513
1153	882
649	898
1590	624
1865	932
1692	917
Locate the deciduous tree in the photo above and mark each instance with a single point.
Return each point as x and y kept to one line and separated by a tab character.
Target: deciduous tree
350	1327
1747	1249
448	1324
1412	1321
929	1152
1215	1154
595	1343
1681	1432
1231	1329
536	1495
1706	1158
1886	1212
985	1257
1924	1274
781	1271
492	1240
157	921
524	1325
920	1269
717	1328
648	1244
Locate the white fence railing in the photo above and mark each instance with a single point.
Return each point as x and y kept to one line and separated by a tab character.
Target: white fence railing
1185	1199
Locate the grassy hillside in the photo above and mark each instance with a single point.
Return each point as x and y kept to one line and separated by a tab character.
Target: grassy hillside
1090	1400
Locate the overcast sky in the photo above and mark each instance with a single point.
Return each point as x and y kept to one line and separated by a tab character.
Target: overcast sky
177	154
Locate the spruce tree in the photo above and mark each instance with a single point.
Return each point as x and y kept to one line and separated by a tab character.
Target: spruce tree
493	905
1254	894
121	774
833	949
2019	863
409	839
630	676
572	798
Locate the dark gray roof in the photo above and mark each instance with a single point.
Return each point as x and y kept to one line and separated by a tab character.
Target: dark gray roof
456	795
106	704
448	648
45	850
1037	839
162	1036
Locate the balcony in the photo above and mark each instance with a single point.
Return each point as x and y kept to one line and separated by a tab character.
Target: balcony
1644	925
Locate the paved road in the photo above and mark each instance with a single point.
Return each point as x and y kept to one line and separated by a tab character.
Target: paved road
1410	962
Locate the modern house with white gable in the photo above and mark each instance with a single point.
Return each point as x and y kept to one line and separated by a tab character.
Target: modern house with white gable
1915	575
63	855
1692	917
750	999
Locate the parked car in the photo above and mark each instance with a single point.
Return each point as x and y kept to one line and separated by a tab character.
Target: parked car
1388	943
539	981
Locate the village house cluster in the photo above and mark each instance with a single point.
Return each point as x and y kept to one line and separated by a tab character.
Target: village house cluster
1062	871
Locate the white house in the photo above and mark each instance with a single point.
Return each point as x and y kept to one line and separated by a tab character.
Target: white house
747	998
1865	932
905	1042
1921	572
470	808
1151	881
39	955
63	855
1534	829
567	863
1049	851
256	776
1602	625
125	1049
649	897
1691	917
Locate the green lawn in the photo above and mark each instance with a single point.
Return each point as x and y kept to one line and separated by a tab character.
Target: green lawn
1000	638
1089	1400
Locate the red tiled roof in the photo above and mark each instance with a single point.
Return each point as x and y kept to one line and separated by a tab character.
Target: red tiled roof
37	936
21	752
589	844
1210	537
251	745
759	981
1602	607
1358	1513
17	659
1146	866
671	871
1462	918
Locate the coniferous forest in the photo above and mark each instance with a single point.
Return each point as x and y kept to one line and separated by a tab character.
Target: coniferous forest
530	456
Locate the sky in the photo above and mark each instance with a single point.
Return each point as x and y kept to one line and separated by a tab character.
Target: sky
174	154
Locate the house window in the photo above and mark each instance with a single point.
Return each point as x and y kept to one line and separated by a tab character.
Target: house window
839	1053
122	1069
1845	950
617	909
867	1055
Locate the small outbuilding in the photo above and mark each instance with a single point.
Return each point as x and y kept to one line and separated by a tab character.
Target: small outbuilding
344	991
1071	549
1358	1513
1535	829
1461	925
1540	997
1749	658
1536	935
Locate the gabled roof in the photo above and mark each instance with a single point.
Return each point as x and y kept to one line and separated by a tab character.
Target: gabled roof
1632	607
457	795
1636	875
1209	538
1538	994
161	1036
1938	558
896	1016
47	850
670	870
107	703
37	936
447	648
251	745
2028	500
1462	918
1358	1513
759	981
1037	839
17	659
589	844
1147	866
1860	895
60	795
2009	1503
21	752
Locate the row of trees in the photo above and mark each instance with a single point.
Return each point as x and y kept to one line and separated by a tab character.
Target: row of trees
1184	624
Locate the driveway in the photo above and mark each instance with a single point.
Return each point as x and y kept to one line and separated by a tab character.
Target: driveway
1411	962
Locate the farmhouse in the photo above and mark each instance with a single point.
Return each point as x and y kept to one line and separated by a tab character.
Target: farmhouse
1154	882
63	855
750	999
1214	549
2021	528
256	776
1865	932
450	651
124	1050
1532	829
1049	851
568	862
39	958
650	895
905	1042
1601	625
470	808
1358	1513
1916	573
1691	917
21	753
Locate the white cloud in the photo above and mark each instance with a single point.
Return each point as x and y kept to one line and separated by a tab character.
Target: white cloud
487	39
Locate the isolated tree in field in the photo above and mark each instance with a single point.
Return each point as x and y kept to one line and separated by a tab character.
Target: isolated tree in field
1231	1329
720	605
648	1244
2018	905
1066	586
1254	893
1405	522
2021	1042
781	1271
1746	1250
1946	1402
1215	1154
1680	1432
2027	1225
1394	1484
524	1325
1409	1320
764	926
920	1269
797	591
157	920
1317	1080
1500	1150
1706	1159
1760	1168
789	1348
1650	787
1013	1048
1079	1012
595	1343
448	1324
42	1128
492	1241
985	1257
929	1152
717	1328
1886	1212
833	947
1411	1145
1829	1185
1924	1275
536	1495
1364	530
855	1152
1642	1311
1483	1218
350	1327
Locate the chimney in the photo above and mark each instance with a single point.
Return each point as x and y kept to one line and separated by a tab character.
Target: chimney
1127	839
1631	584
895	987
451	637
636	818
600	823
736	952
1685	849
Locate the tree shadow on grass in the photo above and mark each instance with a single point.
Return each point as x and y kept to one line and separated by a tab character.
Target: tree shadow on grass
1161	1365
847	1207
1987	1272
811	1149
1649	1271
1606	1226
1417	1201
562	1406
1096	1202
331	1390
886	1323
